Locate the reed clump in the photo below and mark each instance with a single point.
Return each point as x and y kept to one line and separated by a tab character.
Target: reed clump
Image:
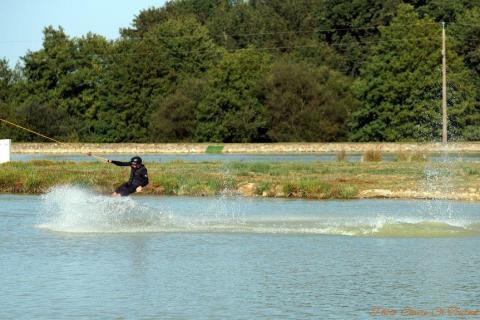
264	188
372	156
472	171
411	156
341	156
316	189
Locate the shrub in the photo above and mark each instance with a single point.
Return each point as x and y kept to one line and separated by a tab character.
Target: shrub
372	156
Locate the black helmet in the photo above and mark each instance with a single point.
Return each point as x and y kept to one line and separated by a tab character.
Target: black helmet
136	160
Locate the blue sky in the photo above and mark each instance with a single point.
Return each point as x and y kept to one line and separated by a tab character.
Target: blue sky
22	21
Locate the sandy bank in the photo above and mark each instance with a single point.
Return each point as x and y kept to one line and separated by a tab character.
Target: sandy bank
463	195
460	194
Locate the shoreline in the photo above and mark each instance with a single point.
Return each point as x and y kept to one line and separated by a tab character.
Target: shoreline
365	195
247	148
337	180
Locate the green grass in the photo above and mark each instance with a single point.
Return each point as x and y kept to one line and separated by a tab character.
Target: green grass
472	171
214	149
317	189
317	180
347	191
263	186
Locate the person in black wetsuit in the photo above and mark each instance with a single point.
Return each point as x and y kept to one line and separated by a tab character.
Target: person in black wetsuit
138	177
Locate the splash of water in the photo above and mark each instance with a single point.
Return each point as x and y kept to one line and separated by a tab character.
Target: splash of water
78	210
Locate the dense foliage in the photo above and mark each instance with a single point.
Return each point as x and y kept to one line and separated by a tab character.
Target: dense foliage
255	71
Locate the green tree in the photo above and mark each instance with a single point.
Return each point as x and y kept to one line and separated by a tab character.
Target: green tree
305	103
5	91
441	10
6	77
143	22
351	26
202	10
64	77
79	90
142	71
299	15
317	53
45	67
174	116
466	32
46	119
256	70
230	110
247	24
45	71
12	93
400	86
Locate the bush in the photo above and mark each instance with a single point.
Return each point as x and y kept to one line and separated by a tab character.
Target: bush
347	191
372	156
408	156
342	155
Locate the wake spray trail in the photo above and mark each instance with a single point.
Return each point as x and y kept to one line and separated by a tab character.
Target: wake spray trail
78	210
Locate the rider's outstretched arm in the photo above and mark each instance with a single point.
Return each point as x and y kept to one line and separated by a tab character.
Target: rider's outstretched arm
120	163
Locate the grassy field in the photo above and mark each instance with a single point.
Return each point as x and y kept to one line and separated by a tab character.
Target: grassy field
317	180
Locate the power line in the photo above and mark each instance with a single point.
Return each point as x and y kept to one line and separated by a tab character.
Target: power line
339	46
232	35
319	45
465	24
333	29
256	34
20	41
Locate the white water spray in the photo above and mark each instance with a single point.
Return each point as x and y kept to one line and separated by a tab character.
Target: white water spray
78	210
75	209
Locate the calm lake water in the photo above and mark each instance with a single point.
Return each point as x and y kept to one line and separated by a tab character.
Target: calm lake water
72	254
288	157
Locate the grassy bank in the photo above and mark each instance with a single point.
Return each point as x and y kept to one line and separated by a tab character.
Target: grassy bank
318	180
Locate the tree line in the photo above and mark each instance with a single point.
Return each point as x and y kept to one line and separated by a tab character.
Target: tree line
254	71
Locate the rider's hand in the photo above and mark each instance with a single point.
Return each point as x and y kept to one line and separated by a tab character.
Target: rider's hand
139	189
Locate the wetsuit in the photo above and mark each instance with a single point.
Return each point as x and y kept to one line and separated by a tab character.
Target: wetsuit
138	178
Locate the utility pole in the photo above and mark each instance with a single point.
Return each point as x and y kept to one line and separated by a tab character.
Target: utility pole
444	86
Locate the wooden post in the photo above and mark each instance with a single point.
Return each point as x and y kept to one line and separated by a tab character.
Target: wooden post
444	87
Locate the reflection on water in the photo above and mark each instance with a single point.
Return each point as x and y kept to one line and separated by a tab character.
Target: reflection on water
72	254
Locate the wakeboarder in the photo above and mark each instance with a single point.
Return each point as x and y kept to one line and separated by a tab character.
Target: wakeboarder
138	177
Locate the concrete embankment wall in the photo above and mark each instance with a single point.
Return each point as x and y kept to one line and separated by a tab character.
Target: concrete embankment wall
140	148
